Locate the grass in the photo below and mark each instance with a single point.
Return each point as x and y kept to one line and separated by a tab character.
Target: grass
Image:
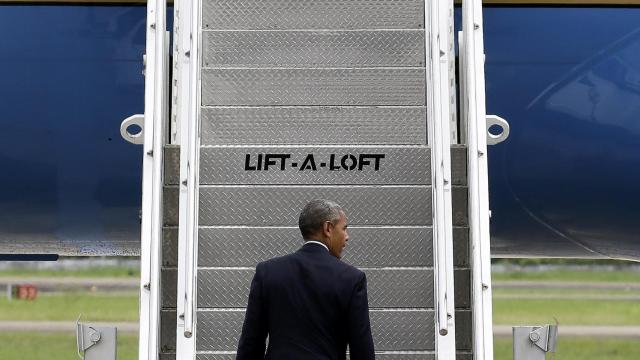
573	276
56	346
582	292
67	307
568	312
100	272
580	349
552	275
510	307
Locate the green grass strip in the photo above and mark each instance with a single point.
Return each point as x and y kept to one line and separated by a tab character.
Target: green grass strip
568	312
67	307
580	349
56	346
577	276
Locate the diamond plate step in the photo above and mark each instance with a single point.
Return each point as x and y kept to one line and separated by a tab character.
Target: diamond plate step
314	125
278	87
367	246
380	356
393	330
312	14
317	165
220	288
404	330
315	49
458	160
280	206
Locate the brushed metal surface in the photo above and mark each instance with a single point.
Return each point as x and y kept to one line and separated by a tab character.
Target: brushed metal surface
314	125
458	165
315	49
170	247
462	288
367	246
169	288
170	207
375	86
171	165
314	165
312	14
460	246
463	330
460	205
392	330
168	320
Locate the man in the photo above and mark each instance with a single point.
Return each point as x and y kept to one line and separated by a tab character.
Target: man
309	303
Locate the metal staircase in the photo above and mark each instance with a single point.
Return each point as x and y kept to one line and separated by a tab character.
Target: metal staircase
278	102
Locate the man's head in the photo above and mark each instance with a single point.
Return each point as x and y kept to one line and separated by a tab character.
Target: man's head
324	221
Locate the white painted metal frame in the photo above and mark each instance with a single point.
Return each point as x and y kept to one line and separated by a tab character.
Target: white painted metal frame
438	106
155	110
473	96
188	16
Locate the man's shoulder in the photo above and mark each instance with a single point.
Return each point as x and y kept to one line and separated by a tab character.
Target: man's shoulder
349	269
275	261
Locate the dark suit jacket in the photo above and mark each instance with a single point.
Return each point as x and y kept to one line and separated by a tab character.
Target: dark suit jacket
311	305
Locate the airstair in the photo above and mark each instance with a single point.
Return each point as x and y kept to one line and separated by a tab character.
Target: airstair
278	102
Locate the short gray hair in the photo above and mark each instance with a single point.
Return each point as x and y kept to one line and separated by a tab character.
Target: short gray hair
315	214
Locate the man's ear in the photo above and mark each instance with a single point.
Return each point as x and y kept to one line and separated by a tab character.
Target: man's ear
327	227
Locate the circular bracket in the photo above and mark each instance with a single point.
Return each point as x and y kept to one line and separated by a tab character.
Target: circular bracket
495	120
137	120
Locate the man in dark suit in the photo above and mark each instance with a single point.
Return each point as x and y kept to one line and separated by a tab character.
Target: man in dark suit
309	303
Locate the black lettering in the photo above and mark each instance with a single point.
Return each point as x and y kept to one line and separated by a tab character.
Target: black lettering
247	163
364	160
270	159
332	160
377	158
309	163
354	162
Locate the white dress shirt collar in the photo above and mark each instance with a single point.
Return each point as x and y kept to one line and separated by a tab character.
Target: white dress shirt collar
316	242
